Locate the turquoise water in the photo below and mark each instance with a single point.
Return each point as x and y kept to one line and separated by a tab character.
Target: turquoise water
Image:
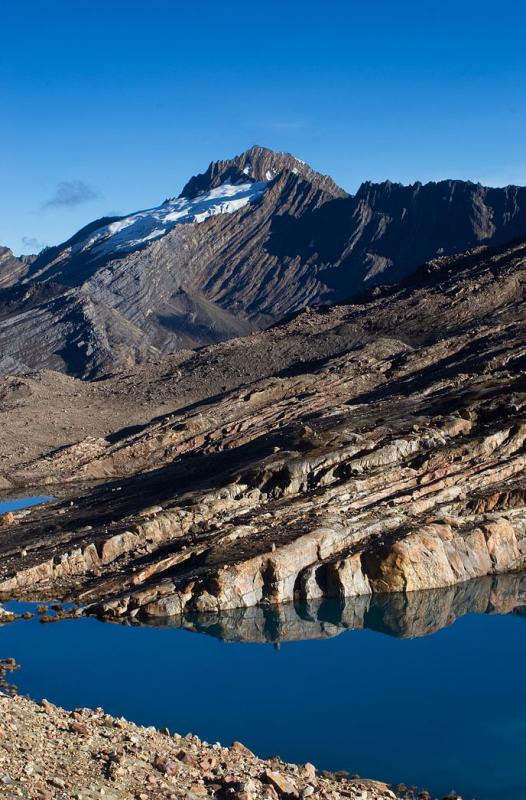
417	689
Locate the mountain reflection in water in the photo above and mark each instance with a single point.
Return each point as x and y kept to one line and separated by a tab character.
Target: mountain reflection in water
401	615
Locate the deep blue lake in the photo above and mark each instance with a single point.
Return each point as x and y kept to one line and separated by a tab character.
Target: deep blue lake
443	711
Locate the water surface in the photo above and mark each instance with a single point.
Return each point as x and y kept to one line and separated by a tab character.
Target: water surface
22	502
427	689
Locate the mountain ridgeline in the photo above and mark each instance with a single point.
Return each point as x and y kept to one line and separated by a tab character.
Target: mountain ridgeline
246	243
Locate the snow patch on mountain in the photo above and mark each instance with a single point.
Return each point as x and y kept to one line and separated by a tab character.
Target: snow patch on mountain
146	226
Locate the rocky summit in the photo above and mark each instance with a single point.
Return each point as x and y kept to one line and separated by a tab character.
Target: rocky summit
370	447
246	243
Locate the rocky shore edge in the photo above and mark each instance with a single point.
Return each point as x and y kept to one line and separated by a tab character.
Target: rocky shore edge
48	753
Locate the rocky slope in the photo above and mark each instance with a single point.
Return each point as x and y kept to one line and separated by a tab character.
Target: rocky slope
47	753
373	447
123	291
246	243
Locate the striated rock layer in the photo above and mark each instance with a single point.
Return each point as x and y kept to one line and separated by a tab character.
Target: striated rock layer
392	463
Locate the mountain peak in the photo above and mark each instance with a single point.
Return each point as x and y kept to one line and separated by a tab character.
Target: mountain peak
257	164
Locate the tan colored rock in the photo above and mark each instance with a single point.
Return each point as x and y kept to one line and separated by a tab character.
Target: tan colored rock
115	547
436	556
90	754
283	784
238	747
308	771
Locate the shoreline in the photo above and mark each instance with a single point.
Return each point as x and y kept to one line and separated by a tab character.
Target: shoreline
400	614
48	753
371	447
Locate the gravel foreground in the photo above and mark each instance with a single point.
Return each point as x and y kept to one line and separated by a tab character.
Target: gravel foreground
47	753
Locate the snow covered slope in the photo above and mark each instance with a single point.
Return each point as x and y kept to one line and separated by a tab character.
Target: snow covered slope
130	232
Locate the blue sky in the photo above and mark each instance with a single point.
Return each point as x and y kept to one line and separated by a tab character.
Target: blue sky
108	106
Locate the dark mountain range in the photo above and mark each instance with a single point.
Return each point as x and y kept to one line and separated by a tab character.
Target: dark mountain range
247	242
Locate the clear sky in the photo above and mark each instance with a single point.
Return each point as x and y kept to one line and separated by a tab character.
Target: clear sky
108	106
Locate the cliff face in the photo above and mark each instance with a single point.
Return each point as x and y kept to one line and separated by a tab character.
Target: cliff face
409	615
368	448
247	242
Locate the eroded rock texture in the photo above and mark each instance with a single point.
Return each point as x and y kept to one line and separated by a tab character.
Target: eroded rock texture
395	463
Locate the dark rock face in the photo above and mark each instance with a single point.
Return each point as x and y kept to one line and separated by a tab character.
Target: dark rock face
403	226
259	164
88	309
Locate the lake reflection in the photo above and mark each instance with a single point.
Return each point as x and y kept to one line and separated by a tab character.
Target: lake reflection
401	615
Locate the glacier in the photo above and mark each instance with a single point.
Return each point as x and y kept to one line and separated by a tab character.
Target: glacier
145	226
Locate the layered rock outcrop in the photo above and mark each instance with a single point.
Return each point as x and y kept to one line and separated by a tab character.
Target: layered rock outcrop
395	465
13	269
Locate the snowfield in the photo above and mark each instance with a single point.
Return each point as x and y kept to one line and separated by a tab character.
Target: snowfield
146	226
